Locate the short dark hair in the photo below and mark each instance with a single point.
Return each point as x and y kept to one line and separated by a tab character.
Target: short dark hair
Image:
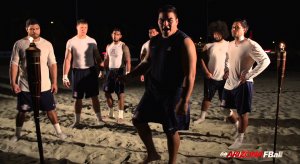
243	23
31	21
168	8
117	29
220	27
81	21
153	27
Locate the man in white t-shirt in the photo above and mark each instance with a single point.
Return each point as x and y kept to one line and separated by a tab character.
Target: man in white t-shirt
238	90
119	64
83	52
213	65
152	31
19	78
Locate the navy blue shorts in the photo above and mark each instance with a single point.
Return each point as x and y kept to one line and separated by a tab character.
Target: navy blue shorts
112	84
183	120
158	108
47	102
210	88
239	98
85	83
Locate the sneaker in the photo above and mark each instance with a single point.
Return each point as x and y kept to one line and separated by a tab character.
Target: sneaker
111	114
237	144
15	138
199	121
62	136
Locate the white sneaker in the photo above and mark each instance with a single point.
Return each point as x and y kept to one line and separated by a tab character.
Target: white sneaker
199	121
111	114
62	136
15	138
237	144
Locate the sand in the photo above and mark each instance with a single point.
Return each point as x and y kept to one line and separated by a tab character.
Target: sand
119	143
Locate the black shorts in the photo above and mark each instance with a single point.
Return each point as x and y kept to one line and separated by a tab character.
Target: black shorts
158	108
210	88
85	83
112	84
47	102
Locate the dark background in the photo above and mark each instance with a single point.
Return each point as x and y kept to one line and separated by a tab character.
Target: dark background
269	22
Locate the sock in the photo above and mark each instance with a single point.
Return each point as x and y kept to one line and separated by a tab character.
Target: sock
121	112
111	112
203	114
236	125
77	118
98	115
18	131
57	128
231	112
238	142
241	137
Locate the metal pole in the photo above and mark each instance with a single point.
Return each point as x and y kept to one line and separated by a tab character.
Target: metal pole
281	60
34	81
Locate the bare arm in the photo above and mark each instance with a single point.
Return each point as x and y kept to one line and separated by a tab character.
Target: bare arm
67	62
144	50
142	56
66	67
98	58
53	74
106	59
13	72
127	58
13	69
189	67
141	67
203	62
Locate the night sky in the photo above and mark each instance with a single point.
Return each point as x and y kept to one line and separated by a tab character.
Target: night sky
135	17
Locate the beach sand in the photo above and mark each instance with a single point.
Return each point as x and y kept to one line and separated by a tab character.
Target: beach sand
119	143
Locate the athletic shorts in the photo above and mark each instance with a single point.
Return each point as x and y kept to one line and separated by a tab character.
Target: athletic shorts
183	120
112	84
158	108
210	88
239	98
85	83
25	104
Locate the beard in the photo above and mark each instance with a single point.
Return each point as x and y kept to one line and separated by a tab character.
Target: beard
35	36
